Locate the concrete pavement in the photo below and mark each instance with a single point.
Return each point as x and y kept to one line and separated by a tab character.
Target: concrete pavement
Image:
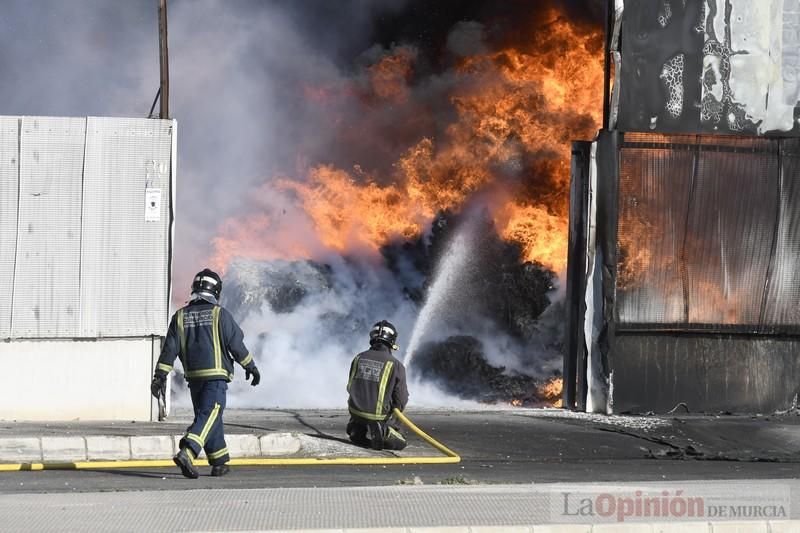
767	506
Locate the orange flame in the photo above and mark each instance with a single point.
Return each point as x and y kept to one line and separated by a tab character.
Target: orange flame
550	390
237	237
350	215
542	234
516	113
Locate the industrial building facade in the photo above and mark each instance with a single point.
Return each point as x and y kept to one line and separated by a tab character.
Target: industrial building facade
86	217
685	215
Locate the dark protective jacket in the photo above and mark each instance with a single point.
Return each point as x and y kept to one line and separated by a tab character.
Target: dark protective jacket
207	340
377	384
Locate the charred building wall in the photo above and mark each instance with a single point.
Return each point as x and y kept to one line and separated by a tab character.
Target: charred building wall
702	283
684	248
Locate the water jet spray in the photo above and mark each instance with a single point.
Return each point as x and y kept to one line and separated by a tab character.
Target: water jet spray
448	272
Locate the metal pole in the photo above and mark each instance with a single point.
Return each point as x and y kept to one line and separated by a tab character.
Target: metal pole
164	57
608	32
576	276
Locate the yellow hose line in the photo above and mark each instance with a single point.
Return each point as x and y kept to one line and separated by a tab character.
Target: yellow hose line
424	436
451	458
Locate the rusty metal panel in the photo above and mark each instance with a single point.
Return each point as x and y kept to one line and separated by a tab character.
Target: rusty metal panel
706	234
781	309
654	194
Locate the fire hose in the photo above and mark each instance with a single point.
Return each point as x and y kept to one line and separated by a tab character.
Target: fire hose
450	457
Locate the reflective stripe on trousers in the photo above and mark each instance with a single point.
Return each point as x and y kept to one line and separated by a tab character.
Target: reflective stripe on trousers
206	432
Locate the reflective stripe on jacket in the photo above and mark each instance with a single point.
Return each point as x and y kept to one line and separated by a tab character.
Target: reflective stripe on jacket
377	384
207	340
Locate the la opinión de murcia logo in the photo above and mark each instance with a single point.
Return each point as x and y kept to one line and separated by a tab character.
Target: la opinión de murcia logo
621	507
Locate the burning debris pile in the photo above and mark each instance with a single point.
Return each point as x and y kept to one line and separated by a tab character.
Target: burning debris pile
458	366
500	284
500	298
505	295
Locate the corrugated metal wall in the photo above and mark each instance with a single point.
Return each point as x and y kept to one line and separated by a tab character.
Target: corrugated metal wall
698	214
77	255
707	233
9	193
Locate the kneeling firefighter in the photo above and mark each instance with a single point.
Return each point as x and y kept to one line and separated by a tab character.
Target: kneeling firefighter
377	385
207	340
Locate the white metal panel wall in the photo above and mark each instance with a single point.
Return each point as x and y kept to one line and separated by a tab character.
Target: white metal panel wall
46	295
9	181
124	257
61	379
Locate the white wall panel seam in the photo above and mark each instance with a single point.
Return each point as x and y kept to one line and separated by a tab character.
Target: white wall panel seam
11	273
173	191
80	230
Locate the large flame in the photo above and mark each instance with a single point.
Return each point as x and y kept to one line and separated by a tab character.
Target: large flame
516	112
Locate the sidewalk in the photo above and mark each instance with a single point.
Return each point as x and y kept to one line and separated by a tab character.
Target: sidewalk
515	434
246	436
428	509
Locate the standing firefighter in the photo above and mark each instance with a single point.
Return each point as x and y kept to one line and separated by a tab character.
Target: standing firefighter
377	385
207	340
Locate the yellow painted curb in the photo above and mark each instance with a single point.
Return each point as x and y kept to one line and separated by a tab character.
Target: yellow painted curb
451	457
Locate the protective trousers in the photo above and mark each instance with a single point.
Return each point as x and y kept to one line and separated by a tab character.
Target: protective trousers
206	433
376	435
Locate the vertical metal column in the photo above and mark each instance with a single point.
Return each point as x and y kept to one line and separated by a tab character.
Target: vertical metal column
164	58
576	269
608	34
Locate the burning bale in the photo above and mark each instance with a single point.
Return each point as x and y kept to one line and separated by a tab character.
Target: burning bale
458	366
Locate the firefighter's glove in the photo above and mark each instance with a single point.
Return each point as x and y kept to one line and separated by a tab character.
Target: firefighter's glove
253	372
158	387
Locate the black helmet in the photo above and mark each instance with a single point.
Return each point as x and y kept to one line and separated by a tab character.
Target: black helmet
207	284
384	332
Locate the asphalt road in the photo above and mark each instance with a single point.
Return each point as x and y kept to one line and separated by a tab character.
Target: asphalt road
510	446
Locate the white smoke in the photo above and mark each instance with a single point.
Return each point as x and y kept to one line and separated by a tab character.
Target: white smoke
304	354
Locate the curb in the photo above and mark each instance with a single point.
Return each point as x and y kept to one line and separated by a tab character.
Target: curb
117	448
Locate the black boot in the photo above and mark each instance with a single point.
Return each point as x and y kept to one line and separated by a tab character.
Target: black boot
184	462
376	435
220	470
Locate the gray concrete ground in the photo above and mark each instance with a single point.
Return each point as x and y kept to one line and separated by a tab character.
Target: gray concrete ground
500	506
505	450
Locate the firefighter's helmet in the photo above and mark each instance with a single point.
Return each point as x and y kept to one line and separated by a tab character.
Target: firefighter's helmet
384	332
207	285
